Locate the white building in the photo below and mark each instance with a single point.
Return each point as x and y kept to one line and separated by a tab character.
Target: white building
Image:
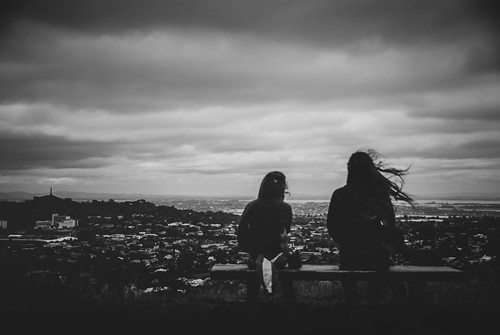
63	221
45	224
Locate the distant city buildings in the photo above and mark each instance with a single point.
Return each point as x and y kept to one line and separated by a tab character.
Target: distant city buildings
63	221
156	247
43	224
3	224
57	222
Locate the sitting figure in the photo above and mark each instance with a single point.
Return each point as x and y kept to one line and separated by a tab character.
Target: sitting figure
264	227
361	220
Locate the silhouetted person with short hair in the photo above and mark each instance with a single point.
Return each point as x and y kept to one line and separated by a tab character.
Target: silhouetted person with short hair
361	220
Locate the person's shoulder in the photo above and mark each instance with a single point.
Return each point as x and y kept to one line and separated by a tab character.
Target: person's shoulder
341	191
250	204
341	194
277	203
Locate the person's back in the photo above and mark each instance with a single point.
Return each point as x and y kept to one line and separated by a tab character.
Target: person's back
262	232
359	234
359	216
268	220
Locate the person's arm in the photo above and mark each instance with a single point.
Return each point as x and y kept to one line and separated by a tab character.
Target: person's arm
393	236
285	247
336	217
288	218
389	218
242	234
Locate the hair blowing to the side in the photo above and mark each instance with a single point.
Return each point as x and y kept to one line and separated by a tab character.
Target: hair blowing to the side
366	172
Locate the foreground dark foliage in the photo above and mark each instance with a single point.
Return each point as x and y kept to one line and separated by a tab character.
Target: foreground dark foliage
219	307
237	318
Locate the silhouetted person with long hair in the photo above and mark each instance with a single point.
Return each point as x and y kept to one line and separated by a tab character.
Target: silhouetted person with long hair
265	224
361	220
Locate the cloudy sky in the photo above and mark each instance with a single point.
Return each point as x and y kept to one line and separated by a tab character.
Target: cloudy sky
205	97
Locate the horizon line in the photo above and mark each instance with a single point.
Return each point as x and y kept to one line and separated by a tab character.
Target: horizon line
298	196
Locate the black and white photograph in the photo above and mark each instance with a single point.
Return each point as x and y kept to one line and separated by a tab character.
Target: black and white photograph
250	166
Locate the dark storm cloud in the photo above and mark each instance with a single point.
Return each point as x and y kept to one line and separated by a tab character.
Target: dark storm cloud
473	149
24	152
335	21
484	148
209	95
37	67
487	113
122	74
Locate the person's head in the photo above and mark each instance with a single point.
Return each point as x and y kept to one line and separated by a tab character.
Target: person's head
273	186
361	168
366	173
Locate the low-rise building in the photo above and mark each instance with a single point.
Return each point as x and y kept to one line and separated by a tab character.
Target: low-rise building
63	221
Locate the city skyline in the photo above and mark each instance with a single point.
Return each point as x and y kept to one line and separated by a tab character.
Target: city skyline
195	98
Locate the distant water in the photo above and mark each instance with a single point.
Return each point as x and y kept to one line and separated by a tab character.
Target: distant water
305	201
437	201
320	206
441	201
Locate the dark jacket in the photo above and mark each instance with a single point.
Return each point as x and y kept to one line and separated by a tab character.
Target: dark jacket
358	230
262	226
